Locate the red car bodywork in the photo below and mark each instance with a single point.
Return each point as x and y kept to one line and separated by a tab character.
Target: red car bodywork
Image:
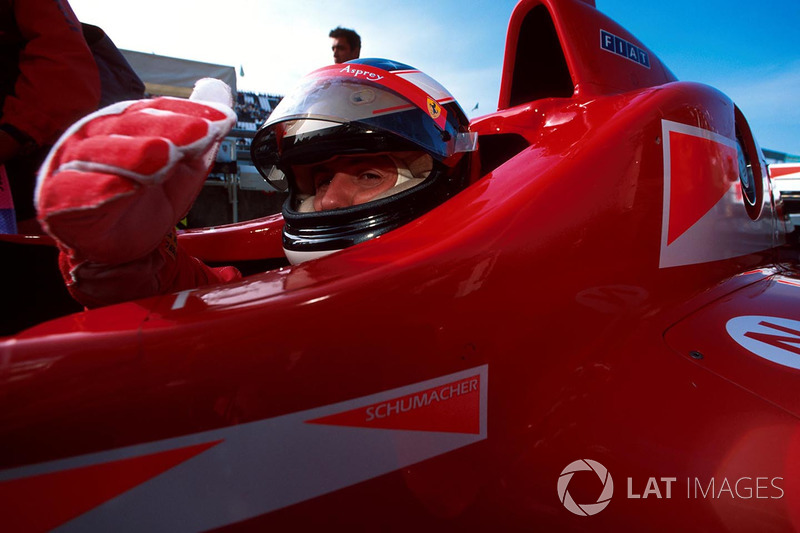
606	291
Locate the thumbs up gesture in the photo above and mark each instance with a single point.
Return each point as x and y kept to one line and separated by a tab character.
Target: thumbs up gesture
118	180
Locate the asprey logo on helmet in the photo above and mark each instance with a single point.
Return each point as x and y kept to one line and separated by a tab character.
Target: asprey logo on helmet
398	83
585	509
356	72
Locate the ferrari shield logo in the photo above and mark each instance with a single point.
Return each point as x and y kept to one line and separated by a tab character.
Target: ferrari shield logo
434	109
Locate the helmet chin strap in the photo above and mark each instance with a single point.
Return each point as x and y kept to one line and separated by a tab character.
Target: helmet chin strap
412	169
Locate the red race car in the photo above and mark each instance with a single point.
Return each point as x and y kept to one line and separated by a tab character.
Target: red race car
602	332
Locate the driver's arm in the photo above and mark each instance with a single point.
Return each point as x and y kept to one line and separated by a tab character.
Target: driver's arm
115	185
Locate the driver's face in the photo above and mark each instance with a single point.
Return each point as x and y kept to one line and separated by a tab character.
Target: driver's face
351	180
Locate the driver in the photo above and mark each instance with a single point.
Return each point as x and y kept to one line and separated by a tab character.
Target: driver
363	107
363	148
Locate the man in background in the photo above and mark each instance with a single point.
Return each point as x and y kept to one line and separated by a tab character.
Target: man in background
345	43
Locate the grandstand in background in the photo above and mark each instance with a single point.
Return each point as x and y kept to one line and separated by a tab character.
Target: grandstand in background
252	109
235	191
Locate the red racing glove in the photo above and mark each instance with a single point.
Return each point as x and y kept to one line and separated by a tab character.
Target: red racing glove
117	182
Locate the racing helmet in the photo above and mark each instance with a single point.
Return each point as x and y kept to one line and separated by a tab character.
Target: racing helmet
364	107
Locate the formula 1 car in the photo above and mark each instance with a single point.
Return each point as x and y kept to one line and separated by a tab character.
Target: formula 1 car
603	332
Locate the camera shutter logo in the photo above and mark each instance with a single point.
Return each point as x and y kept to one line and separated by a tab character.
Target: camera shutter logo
585	509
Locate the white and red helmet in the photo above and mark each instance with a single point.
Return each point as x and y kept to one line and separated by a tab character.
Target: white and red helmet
364	106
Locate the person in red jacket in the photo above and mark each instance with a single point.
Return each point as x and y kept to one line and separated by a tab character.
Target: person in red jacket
48	79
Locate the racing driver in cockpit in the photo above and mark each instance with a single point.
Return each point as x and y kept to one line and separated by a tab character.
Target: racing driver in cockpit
363	147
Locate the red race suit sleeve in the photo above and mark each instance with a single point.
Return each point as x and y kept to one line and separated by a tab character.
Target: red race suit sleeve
58	80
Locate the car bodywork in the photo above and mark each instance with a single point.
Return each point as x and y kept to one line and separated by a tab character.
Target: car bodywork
611	292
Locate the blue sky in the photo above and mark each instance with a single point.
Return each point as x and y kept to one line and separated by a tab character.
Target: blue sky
748	50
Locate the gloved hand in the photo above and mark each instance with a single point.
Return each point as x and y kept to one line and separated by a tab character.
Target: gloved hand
118	181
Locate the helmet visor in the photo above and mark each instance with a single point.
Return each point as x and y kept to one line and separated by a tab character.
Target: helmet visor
316	103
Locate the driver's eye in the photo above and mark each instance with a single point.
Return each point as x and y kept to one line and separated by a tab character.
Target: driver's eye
369	179
322	180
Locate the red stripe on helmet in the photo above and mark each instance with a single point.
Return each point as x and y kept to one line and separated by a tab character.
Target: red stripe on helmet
391	81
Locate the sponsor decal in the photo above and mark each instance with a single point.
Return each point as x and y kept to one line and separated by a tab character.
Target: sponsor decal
361	73
772	338
434	109
413	89
621	47
212	479
453	407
